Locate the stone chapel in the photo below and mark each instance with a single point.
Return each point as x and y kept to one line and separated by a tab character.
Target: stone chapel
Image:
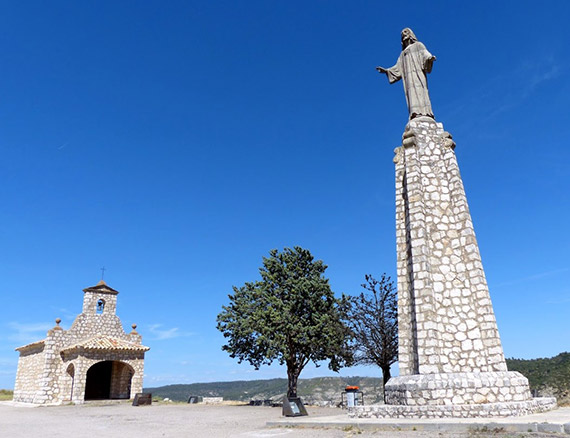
95	359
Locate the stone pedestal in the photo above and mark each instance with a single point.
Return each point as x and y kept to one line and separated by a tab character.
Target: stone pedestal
450	355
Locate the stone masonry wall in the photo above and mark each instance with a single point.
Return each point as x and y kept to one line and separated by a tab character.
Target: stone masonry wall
492	410
457	388
66	382
446	320
450	355
30	366
89	322
121	380
49	390
93	295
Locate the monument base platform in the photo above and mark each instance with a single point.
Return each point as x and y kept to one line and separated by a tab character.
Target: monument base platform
458	388
457	395
484	410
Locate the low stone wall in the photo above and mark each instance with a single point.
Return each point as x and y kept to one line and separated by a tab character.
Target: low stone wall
212	400
511	409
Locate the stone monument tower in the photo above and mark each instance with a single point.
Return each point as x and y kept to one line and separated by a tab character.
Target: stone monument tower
450	355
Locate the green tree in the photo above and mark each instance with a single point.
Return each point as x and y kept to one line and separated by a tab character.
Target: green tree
373	318
291	316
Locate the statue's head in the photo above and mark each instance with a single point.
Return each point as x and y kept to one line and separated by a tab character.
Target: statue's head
408	37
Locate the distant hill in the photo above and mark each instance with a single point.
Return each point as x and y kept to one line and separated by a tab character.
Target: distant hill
547	376
324	391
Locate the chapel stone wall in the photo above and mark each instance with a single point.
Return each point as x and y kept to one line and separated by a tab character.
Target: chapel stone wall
121	376
30	365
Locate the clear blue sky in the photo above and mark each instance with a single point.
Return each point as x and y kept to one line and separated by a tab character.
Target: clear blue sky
176	143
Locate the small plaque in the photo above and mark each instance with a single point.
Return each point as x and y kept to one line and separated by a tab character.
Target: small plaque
293	407
142	399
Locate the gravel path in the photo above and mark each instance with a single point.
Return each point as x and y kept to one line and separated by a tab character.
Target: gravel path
181	420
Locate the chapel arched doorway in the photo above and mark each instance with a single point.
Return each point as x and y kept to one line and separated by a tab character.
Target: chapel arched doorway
110	379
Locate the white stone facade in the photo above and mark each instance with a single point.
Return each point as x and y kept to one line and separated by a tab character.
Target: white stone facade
450	355
94	359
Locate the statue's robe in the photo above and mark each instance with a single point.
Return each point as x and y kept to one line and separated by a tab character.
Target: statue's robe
413	64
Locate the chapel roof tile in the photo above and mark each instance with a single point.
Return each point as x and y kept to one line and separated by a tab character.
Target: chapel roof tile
106	343
31	345
101	287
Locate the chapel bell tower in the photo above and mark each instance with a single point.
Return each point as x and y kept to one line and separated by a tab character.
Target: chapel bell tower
100	300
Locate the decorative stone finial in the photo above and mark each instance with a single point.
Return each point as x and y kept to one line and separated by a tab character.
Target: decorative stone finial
134	326
448	140
57	321
408	138
397	154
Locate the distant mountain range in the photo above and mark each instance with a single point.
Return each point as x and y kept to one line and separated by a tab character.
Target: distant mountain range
547	377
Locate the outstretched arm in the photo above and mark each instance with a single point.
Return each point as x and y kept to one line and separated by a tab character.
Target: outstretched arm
429	63
393	73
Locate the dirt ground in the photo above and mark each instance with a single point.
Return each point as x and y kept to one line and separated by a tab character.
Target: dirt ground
122	420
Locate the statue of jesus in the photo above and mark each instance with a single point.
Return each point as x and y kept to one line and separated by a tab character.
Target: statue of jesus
413	65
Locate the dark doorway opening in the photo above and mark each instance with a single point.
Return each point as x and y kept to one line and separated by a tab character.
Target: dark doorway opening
108	380
98	384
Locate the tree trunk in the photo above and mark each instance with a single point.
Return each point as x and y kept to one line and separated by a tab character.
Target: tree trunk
293	377
385	377
386	373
